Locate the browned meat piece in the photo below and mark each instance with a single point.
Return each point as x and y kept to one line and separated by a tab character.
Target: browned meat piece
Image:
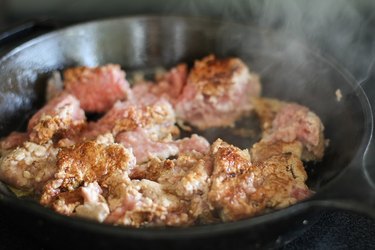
86	201
288	122
146	129
66	202
241	189
157	118
266	109
94	206
156	166
97	88
151	170
217	92
169	85
263	150
64	106
13	140
59	116
144	203
187	177
28	167
85	163
172	192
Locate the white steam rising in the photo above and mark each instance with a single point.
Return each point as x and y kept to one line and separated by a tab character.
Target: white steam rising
339	28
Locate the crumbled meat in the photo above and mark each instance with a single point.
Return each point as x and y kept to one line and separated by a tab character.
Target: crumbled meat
217	93
146	129
59	116
187	177
97	88
66	202
95	206
263	150
151	169
28	167
144	202
173	82
288	122
157	118
266	109
64	106
74	171
145	148
241	189
194	143
169	85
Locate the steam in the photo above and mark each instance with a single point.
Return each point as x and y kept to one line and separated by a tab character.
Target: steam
337	28
340	28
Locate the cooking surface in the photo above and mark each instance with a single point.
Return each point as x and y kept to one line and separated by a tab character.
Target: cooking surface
333	230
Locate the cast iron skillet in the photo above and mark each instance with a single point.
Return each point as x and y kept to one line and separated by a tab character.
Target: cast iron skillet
289	70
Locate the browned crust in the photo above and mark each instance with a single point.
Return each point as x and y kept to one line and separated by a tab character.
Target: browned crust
212	76
267	109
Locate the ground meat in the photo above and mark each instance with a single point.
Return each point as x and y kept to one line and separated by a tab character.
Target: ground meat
217	93
64	105
169	85
144	148
75	171
168	192
97	88
28	167
187	177
263	150
94	204
157	118
289	122
266	109
194	143
144	203
62	115
146	129
241	189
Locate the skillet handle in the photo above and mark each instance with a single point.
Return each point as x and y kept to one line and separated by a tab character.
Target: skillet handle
25	28
354	189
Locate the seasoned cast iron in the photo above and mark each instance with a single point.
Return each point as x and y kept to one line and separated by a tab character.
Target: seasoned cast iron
289	71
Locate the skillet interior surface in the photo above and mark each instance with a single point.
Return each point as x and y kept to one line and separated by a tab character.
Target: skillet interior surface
289	71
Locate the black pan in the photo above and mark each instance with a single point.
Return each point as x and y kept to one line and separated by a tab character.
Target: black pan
289	70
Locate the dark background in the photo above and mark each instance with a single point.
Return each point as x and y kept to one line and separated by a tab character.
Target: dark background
343	29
